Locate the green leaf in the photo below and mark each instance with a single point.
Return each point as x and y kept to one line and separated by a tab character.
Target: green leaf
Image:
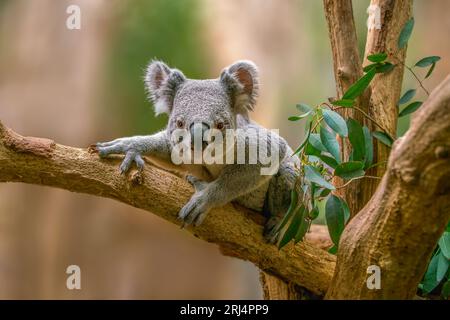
334	215
442	267
429	281
405	33
288	215
346	210
314	213
350	170
383	137
302	229
329	161
384	68
290	232
408	95
377	57
368	145
347	103
446	290
335	122
410	108
444	244
430	71
325	192
328	139
300	147
305	111
359	86
313	175
315	141
428	61
370	67
333	250
356	137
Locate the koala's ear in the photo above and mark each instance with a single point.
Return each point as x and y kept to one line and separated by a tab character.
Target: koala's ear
241	82
162	83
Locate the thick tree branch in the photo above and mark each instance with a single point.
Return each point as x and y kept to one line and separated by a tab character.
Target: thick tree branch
237	231
400	226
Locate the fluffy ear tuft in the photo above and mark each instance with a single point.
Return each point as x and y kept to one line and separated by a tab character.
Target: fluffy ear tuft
241	81
162	84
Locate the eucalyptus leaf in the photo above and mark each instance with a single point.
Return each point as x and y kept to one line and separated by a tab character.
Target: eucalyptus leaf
334	215
428	61
405	34
444	244
302	229
312	175
368	145
291	230
384	67
446	290
408	95
333	250
383	137
442	267
429	281
410	108
330	142
377	57
315	141
350	170
335	122
356	137
288	215
359	86
346	103
329	161
370	67
302	145
430	71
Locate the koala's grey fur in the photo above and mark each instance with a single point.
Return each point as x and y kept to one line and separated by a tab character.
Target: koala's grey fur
227	99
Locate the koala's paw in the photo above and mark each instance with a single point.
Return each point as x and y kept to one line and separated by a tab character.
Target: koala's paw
194	212
198	184
121	146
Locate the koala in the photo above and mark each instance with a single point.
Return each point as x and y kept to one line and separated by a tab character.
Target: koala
221	104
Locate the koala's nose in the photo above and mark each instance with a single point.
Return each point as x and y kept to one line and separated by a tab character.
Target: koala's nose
198	130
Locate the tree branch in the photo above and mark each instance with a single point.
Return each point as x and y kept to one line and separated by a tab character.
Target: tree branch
347	70
237	231
400	226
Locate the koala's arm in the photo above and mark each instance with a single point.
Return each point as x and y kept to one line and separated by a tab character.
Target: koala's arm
234	181
156	144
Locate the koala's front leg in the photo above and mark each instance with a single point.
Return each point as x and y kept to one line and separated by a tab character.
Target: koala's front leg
134	147
233	182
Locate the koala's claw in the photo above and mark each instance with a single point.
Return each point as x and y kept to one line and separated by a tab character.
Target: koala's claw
119	146
193	212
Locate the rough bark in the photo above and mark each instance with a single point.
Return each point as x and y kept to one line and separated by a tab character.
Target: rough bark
386	88
380	100
400	226
237	231
347	70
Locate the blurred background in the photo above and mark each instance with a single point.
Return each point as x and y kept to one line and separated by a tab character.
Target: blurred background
83	86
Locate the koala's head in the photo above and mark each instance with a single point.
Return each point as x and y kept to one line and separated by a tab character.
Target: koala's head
212	103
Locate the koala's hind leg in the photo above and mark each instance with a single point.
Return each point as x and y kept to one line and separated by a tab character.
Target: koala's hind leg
278	199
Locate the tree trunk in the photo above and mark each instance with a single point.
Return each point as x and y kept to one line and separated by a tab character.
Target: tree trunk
400	226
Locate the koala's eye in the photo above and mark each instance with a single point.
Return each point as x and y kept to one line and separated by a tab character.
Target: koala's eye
180	124
220	125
